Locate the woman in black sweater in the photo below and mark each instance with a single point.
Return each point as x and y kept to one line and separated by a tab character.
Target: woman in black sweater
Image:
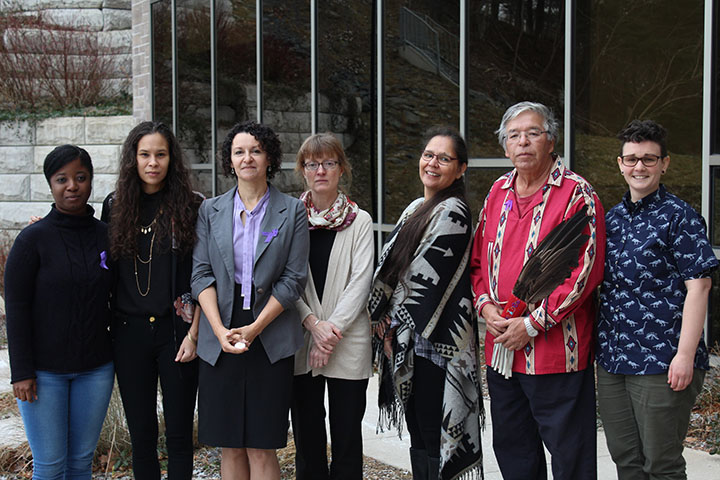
57	286
151	217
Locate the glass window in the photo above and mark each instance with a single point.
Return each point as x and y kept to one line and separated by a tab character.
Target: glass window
193	90
714	226
161	62
714	313
516	52
422	47
235	70
639	60
346	99
479	181
286	79
715	114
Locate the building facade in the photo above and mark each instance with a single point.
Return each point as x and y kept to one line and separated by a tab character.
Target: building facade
379	72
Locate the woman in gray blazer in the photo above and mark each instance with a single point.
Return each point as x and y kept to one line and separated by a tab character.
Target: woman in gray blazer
249	268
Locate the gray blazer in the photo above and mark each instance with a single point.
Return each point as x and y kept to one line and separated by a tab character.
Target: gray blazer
280	269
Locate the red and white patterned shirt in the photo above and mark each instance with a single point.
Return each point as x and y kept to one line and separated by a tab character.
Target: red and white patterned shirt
504	240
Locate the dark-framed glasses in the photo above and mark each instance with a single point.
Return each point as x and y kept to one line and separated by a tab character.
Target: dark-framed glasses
532	135
327	165
649	160
442	158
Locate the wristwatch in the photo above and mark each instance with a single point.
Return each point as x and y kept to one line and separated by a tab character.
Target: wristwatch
530	328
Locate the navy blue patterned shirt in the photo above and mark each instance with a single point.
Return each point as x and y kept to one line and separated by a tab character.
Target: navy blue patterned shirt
653	247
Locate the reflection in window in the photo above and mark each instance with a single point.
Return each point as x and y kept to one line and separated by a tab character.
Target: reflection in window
162	62
286	78
714	312
235	69
478	182
644	63
715	206
345	66
193	67
421	70
516	53
715	114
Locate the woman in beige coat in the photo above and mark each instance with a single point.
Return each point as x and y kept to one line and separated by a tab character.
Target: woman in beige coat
337	349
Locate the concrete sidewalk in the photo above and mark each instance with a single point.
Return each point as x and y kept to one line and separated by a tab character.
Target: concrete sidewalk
388	448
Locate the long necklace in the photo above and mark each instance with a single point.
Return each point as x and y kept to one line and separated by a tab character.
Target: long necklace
147	262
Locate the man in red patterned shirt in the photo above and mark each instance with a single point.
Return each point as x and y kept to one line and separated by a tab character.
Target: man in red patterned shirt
550	397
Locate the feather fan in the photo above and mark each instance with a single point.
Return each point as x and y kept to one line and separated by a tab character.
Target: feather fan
549	265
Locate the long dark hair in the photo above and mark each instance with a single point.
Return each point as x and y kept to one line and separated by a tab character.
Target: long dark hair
179	203
409	236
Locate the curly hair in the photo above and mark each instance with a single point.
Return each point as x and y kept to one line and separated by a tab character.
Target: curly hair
644	130
269	142
179	202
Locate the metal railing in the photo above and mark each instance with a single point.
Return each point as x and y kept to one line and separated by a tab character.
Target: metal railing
433	42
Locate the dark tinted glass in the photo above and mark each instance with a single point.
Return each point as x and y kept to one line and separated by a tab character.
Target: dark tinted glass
516	53
161	62
193	116
346	103
642	60
235	70
421	58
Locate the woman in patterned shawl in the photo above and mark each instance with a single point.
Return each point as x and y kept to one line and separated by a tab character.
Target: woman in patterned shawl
424	329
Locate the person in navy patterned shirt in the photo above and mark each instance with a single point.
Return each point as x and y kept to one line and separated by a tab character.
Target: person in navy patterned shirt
651	355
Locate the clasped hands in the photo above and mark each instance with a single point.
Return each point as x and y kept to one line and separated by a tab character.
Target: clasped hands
325	337
510	332
237	340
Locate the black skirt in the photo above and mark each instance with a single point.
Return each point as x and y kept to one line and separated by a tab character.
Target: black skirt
244	400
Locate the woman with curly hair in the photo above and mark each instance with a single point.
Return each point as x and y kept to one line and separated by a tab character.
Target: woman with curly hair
151	216
249	268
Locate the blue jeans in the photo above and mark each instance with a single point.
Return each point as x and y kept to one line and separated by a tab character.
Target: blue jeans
63	425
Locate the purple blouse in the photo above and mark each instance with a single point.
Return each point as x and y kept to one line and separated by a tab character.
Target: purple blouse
245	239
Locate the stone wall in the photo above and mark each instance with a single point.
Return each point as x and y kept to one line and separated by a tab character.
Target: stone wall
105	23
23	147
142	54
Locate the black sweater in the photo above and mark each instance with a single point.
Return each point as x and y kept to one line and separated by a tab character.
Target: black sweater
57	290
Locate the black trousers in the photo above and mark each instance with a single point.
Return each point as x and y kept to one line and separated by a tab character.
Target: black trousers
347	402
423	415
144	352
555	409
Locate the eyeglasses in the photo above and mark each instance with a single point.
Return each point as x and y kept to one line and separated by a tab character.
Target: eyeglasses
442	158
649	160
533	134
327	165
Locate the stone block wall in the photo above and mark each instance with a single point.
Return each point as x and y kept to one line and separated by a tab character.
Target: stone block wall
105	24
23	147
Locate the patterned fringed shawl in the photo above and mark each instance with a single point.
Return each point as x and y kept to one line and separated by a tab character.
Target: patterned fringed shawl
434	298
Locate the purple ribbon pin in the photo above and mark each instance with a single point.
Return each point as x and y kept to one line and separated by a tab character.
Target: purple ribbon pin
103	259
508	204
270	235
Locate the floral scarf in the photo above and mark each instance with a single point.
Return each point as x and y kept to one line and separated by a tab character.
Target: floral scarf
338	217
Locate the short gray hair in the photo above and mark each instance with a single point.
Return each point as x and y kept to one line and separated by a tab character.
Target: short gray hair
549	122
